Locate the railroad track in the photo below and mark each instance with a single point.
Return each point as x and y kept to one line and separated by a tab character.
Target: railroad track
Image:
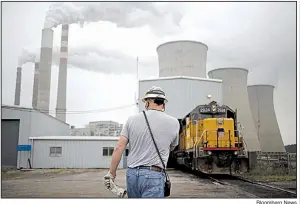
258	189
255	188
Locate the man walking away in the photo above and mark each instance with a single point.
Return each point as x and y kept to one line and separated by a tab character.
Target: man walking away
145	177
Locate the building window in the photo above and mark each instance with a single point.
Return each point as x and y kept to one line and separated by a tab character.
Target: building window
55	151
111	151
107	151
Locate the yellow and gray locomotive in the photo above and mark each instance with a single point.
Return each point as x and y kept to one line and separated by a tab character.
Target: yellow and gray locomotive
210	142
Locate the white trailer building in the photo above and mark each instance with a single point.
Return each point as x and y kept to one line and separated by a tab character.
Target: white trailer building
74	152
183	93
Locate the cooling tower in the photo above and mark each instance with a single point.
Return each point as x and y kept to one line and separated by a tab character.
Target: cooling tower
182	58
263	112
35	86
235	95
62	76
18	86
45	70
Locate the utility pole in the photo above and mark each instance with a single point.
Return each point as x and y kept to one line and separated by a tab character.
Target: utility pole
137	89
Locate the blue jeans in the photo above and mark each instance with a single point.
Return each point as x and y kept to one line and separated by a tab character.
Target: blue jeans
145	183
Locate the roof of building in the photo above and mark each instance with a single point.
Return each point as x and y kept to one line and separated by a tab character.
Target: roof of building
20	108
182	77
102	138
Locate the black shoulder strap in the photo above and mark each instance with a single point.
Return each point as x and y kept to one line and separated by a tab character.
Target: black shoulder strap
155	143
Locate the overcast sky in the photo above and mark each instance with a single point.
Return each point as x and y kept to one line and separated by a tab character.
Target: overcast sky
102	54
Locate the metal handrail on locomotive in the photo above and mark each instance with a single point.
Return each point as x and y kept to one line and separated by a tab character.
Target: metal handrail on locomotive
210	141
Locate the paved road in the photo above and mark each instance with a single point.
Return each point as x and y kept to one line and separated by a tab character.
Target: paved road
89	183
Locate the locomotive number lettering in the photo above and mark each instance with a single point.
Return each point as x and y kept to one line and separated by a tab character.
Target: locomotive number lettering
204	110
221	110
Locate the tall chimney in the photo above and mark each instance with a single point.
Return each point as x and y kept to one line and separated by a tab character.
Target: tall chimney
62	76
35	86
45	70
18	86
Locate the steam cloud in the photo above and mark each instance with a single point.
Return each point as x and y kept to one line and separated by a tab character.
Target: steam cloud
96	59
26	56
125	14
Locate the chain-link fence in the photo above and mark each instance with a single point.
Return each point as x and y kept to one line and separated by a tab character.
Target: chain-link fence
276	163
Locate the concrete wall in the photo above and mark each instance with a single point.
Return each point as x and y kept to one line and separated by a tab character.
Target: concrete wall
75	154
182	58
183	93
33	124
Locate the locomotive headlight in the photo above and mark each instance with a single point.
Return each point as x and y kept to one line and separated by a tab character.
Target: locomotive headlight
220	121
209	152
236	153
220	132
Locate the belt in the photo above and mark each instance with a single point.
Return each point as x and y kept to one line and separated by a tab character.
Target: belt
153	168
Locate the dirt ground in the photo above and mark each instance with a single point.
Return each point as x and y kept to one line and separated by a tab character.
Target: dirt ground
58	183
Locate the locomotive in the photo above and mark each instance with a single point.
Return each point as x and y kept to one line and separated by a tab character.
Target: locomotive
210	142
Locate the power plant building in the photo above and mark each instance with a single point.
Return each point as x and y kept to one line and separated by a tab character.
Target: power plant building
235	95
264	116
182	58
183	93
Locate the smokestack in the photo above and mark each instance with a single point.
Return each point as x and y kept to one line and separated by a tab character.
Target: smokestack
18	86
35	86
62	76
45	70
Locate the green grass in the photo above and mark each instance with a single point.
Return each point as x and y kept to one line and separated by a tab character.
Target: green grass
272	178
9	174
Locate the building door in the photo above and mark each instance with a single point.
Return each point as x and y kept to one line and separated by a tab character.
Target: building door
9	143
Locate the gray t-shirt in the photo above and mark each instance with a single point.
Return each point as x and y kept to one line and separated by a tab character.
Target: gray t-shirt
142	152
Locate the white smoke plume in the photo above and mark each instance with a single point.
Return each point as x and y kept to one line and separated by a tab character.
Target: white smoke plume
26	56
161	18
97	59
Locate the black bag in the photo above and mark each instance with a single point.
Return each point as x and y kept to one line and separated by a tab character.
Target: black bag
167	189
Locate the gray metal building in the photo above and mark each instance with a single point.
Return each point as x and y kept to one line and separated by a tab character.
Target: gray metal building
183	93
17	125
74	152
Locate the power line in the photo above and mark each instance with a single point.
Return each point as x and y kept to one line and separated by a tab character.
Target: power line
70	112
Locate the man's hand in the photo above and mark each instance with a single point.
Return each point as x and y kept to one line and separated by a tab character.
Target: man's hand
108	179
